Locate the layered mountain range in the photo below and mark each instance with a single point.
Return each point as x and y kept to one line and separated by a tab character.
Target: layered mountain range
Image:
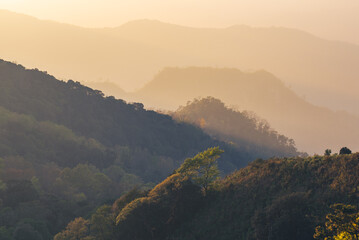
326	72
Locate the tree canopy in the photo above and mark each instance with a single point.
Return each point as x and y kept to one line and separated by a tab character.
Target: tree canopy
341	224
202	168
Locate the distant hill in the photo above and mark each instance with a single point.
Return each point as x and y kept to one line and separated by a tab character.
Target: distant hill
275	199
324	71
242	129
313	128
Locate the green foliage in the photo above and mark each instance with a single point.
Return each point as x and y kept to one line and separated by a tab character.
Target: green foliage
286	216
272	199
42	142
342	223
202	168
166	207
126	198
103	223
85	179
75	230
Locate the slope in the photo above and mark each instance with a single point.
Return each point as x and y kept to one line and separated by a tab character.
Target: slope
157	142
313	128
274	199
49	175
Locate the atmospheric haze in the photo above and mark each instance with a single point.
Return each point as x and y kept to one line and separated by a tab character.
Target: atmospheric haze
180	119
337	20
319	73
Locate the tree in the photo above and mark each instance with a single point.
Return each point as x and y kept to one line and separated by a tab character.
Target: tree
103	223
75	230
202	168
343	223
345	150
327	152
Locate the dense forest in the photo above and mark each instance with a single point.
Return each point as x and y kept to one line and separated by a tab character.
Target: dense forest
66	149
288	198
243	129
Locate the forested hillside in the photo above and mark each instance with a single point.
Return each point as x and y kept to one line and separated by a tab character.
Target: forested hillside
277	199
66	149
243	129
49	175
155	140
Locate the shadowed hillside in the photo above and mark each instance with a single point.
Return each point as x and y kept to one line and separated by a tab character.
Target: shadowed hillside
151	144
325	71
313	128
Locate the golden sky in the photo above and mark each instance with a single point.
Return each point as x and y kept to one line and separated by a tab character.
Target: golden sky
332	19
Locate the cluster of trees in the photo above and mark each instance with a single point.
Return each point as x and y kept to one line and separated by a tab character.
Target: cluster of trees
170	204
288	198
244	130
341	224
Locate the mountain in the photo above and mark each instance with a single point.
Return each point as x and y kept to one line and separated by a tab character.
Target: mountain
242	129
274	199
313	128
152	137
82	54
324	71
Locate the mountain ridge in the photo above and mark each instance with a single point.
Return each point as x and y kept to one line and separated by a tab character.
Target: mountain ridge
323	70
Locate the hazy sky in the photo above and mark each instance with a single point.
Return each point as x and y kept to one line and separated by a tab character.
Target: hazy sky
332	19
